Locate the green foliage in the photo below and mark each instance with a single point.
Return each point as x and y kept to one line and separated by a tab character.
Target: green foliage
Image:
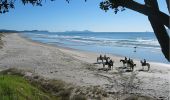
116	5
13	87
5	5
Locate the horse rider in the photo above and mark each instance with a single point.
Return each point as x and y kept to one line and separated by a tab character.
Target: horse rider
144	61
110	63
129	60
125	58
104	56
100	56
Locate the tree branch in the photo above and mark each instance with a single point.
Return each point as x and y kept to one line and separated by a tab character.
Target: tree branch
168	4
159	30
146	10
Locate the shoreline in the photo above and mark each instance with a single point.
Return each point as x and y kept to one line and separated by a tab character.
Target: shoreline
62	47
78	68
78	50
140	55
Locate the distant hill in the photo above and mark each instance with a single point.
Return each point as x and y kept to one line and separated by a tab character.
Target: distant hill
85	31
34	31
43	31
8	31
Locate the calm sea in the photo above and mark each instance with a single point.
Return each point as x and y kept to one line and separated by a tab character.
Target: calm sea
138	45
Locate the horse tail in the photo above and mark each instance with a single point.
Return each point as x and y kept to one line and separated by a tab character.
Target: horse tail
148	66
103	65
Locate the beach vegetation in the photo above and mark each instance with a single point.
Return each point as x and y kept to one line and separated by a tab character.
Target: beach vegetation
14	87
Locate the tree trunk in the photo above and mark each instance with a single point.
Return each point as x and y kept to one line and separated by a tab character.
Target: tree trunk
168	4
159	29
162	36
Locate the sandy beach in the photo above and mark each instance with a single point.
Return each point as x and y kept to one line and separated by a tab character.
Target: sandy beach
80	69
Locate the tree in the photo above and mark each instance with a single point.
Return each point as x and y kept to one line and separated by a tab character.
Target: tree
159	20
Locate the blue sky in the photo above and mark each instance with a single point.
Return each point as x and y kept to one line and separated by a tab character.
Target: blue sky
77	15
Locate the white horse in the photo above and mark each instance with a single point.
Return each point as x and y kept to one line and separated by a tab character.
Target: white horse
145	64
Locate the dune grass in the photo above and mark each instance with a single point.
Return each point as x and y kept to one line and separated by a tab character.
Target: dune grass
14	87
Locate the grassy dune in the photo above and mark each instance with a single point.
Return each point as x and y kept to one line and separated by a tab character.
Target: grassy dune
13	87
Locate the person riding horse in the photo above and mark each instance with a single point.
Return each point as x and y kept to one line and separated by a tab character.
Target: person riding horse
100	58
109	63
144	63
106	58
131	64
124	61
125	58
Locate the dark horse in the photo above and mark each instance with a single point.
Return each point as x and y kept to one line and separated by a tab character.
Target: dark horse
106	58
131	64
109	63
100	58
145	64
123	61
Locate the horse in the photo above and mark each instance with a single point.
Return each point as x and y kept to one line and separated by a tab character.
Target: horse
131	64
145	64
123	61
100	58
109	63
106	58
105	63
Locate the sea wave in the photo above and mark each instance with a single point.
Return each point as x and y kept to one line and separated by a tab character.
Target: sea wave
92	40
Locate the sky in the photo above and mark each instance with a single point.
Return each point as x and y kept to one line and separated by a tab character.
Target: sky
59	16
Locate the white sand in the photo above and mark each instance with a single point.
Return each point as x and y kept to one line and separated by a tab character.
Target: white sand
76	67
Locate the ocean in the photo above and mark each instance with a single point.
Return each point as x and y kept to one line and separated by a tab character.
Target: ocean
137	45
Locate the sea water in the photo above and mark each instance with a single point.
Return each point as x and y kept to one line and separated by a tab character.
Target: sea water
138	45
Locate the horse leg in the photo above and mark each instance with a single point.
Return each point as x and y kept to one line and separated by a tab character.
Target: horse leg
148	67
109	66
